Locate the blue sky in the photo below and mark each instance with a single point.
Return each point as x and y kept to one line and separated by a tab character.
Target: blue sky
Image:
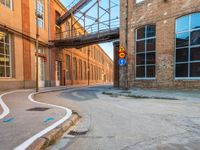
108	47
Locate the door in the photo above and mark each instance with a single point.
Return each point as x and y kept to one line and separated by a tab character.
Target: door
41	72
58	73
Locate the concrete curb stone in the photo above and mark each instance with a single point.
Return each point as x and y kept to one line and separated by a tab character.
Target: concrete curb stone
52	136
114	94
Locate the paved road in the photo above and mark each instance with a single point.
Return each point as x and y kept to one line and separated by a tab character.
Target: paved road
119	123
21	123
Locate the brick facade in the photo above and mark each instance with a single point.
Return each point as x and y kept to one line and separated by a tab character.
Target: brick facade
19	22
163	14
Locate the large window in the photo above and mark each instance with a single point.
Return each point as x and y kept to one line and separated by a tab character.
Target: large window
74	68
145	52
80	70
7	3
85	71
188	46
5	54
40	13
68	67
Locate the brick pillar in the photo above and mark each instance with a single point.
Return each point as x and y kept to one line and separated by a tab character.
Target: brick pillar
26	44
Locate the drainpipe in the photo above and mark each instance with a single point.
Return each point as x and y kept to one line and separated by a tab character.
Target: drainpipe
126	47
49	37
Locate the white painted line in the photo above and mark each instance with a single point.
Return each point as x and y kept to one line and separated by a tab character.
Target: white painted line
5	108
28	142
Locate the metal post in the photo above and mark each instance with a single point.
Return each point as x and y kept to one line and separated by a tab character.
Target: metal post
98	11
109	13
84	24
37	37
88	65
126	42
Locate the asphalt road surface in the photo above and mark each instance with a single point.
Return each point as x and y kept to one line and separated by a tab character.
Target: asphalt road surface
120	123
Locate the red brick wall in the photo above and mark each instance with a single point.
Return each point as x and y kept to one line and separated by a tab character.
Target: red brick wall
26	43
163	14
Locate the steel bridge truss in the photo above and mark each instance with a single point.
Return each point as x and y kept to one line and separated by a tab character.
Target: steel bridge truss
96	32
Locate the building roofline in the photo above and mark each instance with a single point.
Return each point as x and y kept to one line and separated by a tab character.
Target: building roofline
61	4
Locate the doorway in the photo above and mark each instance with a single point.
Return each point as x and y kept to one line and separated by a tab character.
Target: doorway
58	73
41	72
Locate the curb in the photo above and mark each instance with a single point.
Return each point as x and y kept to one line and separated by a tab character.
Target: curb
139	96
51	137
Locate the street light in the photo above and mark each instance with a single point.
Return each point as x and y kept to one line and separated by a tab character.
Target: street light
37	37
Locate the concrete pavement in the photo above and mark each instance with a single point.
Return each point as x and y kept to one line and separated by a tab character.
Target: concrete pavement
121	123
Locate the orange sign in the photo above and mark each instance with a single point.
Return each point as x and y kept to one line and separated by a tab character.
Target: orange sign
122	55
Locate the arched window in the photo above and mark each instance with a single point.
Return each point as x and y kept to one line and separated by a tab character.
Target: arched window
146	52
188	46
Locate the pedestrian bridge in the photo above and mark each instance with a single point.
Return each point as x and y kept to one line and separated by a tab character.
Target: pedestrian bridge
99	31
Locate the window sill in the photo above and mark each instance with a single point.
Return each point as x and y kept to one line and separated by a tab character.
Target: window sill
187	79
145	79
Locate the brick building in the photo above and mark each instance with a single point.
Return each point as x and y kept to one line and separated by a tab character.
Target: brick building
162	39
17	47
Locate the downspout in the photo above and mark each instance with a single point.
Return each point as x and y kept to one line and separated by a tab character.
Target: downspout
49	37
126	45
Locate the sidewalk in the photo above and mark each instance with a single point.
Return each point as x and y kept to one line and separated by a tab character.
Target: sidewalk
191	95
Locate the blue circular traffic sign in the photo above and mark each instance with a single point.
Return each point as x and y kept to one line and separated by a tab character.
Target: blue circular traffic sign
122	62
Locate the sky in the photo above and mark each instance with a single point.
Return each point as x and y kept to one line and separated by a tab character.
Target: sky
108	47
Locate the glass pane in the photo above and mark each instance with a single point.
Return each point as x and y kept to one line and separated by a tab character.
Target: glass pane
140	46
2	60
151	31
141	33
8	72
195	54
151	58
2	36
195	18
182	55
195	70
7	60
40	23
182	24
195	37
151	71
8	3
151	45
2	71
182	39
140	72
182	70
1	48
7	38
140	59
7	51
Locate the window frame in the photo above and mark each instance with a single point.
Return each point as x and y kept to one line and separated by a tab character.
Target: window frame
145	52
11	4
8	55
189	47
43	13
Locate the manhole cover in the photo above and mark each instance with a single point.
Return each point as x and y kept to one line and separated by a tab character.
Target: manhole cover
38	109
77	133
